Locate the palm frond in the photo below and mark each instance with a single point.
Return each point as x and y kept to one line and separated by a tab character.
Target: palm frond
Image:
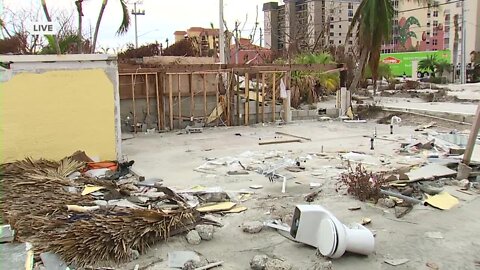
125	19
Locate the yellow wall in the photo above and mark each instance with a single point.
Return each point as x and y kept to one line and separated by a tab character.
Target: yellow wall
53	114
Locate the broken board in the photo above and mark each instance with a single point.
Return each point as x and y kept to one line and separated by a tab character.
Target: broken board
429	171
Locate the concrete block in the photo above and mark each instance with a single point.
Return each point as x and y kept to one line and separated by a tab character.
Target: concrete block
6	234
332	112
312	113
302	113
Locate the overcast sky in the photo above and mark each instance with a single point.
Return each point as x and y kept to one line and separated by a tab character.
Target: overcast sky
161	19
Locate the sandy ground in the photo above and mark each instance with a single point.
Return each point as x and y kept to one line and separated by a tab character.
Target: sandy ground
174	157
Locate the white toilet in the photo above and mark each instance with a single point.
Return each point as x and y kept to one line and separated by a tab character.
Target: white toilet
316	226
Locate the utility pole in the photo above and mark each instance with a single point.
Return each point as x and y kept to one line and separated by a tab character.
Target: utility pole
136	12
463	69
261	37
222	34
237	45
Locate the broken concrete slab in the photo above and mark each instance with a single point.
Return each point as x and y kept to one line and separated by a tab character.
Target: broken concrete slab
13	256
277	264
429	171
205	231
252	227
258	262
401	211
6	234
193	237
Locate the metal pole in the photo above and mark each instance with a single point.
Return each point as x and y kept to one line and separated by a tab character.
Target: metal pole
222	34
463	69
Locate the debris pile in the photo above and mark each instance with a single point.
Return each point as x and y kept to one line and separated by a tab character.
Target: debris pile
109	224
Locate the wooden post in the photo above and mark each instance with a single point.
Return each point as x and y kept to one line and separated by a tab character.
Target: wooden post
247	99
263	97
133	105
192	102
229	98
217	91
467	156
205	98
162	90
179	103
170	99
256	98
238	99
159	124
274	96
146	90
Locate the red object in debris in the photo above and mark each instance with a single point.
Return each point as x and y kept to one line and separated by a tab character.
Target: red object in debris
111	165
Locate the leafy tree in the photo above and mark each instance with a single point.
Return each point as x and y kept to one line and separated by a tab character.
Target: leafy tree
182	48
442	66
384	71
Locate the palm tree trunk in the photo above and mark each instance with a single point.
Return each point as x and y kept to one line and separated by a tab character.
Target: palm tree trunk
359	72
49	19
97	26
78	3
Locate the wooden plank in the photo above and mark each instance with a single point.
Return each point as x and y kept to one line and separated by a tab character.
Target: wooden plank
205	96
163	86
148	98
159	121
133	105
263	95
257	103
247	99
274	96
170	100
179	102
229	98
279	142
294	136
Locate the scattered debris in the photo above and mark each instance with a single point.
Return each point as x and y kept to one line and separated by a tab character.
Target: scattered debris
237	173
443	201
401	211
312	196
277	264
276	224
190	129
216	207
259	262
193	237
256	186
354	208
210	265
322	266
366	221
252	227
205	231
396	262
432	266
430	171
386	202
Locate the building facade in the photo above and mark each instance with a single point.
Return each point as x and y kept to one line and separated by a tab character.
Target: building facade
308	23
434	27
207	38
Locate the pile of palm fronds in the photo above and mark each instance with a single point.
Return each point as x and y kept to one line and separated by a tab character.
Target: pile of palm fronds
34	200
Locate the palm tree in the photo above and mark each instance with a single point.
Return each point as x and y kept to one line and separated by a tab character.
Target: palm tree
442	66
53	39
78	4
122	29
429	64
373	20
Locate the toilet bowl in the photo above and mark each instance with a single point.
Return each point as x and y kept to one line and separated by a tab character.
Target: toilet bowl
316	226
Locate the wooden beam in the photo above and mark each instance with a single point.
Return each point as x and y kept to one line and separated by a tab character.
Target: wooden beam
159	121
217	92
274	96
237	78
179	102
279	142
229	99
263	97
257	97
472	138
170	100
247	99
205	97
133	105
162	90
148	98
294	136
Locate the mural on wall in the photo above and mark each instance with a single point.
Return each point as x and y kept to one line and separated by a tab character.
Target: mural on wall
405	34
